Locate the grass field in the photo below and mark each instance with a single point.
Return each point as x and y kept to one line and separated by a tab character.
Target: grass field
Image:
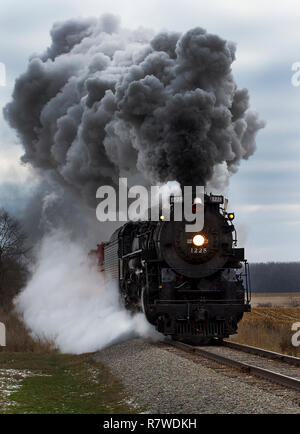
35	378
56	383
269	327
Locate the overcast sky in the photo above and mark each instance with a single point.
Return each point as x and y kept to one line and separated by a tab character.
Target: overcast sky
265	193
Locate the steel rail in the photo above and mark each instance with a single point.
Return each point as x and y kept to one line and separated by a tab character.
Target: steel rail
266	374
261	352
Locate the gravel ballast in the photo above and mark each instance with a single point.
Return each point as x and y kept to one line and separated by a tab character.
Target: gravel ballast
164	381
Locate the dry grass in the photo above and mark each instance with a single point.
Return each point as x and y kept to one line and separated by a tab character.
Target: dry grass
269	328
276	299
18	338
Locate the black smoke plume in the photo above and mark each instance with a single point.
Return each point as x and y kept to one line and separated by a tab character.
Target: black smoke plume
103	102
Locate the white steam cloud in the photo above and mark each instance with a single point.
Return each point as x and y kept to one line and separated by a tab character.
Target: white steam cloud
67	301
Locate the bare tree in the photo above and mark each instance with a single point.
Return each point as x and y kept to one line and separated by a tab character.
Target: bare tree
12	255
12	238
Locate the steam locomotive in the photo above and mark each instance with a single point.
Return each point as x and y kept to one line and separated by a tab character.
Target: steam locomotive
193	287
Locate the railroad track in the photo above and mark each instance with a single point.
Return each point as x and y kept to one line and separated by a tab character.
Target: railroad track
275	367
263	353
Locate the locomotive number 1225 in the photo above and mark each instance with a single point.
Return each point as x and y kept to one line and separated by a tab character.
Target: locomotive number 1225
198	250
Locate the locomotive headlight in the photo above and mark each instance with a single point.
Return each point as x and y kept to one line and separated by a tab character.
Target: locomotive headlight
197	201
231	216
198	240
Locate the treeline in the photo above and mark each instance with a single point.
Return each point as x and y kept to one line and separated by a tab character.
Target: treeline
275	277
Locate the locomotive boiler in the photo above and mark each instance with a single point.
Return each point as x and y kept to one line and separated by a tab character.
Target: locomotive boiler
192	286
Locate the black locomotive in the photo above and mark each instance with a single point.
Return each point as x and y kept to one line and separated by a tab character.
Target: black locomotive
191	286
